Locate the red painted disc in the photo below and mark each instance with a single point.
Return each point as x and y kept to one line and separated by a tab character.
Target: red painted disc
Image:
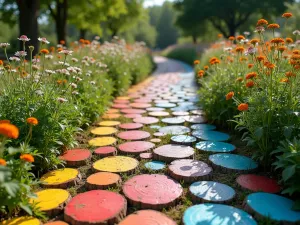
146	155
136	147
146	120
131	126
96	207
258	183
76	157
140	105
120	106
152	191
105	151
132	116
133	111
133	135
147	217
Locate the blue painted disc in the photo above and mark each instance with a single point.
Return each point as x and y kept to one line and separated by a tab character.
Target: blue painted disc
208	135
215	146
216	214
155	165
212	191
166	105
183	139
173	120
174	130
273	206
232	161
155	127
203	127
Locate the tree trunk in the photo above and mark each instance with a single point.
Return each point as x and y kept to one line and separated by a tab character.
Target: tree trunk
82	33
28	24
194	39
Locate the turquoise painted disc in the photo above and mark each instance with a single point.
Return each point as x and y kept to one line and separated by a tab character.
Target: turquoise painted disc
173	120
232	161
216	214
155	165
203	127
165	105
174	130
215	146
212	191
208	135
183	139
273	206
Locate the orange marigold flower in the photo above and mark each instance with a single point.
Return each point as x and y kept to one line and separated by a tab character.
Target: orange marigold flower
262	22
254	41
269	65
196	62
297	67
206	67
52	49
27	158
250	84
4	121
243	59
289	40
229	95
59	49
287	15
240	37
2	162
9	130
251	75
250	65
220	35
260	58
1	62
44	51
240	79
277	41
273	26
201	72
87	42
32	121
239	49
59	81
284	80
243	107
62	42
81	41
290	74
295	57
231	38
281	48
296	52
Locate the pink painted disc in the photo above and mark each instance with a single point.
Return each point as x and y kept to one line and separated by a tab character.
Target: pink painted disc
131	126
143	100
152	191
146	120
171	152
258	183
133	135
84	208
120	106
159	113
133	111
146	155
140	105
105	151
76	156
121	101
132	116
136	147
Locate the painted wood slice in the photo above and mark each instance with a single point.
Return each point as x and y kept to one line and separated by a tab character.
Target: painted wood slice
161	101
146	155
183	140
120	106
216	214
173	120
208	135
237	163
96	207
211	191
180	113
109	123
155	165
155	127
110	111
140	105
123	97
147	217
159	114
203	127
121	101
116	164
189	170
258	183
133	111
132	116
104	131
105	151
166	105
136	147
215	146
61	178
23	220
131	126
143	100
111	116
195	119
155	109
152	191
102	141
273	206
159	134
134	135
168	153
174	130
198	112
51	201
103	180
146	120
76	157
155	140
58	222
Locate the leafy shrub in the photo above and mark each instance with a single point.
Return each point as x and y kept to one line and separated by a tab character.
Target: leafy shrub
187	55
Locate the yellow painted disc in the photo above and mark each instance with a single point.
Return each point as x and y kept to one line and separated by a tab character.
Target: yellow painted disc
116	164
108	123
104	131
23	220
59	176
102	141
50	198
123	97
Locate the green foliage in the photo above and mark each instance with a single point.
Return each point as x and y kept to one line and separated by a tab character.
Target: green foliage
187	55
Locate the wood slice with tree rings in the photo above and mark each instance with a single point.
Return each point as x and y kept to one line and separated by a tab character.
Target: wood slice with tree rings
155	165
146	120
216	214
146	155
159	114
76	157
180	113
96	207
211	191
189	170
116	164
102	180
152	191
195	119
102	141
140	105
133	111
155	140
131	126
104	131
136	147
258	183
231	162
215	146
22	220
203	126
58	222
168	153
166	105
60	178
51	201
275	207
132	116
173	120
209	135
120	106
105	151
112	111
111	116
183	140
133	135
109	123
155	109
174	130
147	217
